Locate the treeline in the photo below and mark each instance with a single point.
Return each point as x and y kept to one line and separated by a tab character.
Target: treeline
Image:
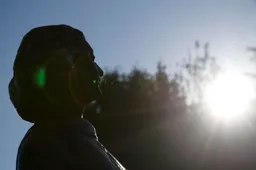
140	92
133	107
145	119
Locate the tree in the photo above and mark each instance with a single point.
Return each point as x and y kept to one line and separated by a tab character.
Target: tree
198	72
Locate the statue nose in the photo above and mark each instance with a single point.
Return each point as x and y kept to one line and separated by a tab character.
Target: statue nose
100	71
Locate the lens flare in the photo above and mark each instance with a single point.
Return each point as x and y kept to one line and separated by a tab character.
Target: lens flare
40	77
228	97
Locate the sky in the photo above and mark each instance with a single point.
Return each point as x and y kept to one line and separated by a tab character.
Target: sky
124	34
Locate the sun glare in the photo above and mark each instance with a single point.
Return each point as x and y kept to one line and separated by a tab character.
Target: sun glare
228	97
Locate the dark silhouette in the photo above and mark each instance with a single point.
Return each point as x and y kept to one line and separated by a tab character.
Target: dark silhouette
143	119
55	78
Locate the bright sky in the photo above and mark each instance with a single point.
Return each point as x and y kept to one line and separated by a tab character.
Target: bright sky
124	33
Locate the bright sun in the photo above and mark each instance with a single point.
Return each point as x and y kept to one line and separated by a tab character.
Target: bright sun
228	97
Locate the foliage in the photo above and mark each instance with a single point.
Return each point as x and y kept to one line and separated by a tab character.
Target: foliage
198	71
146	117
